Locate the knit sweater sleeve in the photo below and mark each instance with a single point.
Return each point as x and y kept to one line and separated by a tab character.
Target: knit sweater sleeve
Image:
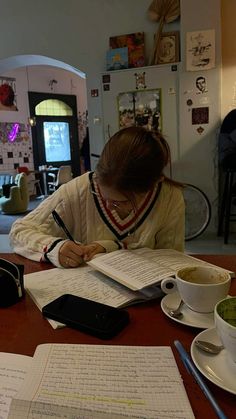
33	235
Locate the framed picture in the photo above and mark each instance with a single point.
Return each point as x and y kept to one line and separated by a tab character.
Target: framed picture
140	108
169	48
135	44
117	59
8	94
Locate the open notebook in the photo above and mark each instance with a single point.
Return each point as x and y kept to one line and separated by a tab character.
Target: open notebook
101	381
127	277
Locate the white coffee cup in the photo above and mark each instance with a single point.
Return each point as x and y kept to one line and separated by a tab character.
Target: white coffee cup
200	287
225	323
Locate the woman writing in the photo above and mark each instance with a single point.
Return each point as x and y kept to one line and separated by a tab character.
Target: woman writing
126	203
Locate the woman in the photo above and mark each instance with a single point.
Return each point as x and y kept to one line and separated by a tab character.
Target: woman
127	203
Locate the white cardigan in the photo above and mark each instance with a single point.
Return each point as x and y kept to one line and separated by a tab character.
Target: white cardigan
32	235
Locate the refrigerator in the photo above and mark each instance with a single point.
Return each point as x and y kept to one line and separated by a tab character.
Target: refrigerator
144	96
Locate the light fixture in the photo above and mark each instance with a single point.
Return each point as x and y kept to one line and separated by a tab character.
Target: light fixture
32	121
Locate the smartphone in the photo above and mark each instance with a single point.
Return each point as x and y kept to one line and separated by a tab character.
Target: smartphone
87	316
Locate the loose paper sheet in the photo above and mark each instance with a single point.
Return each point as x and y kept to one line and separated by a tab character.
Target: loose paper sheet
13	370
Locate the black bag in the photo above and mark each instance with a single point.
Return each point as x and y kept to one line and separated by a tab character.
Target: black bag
11	283
6	188
227	142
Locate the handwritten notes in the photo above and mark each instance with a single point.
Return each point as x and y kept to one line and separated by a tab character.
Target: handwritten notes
102	381
84	282
13	370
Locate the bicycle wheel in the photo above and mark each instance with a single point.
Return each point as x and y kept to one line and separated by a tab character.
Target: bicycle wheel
197	211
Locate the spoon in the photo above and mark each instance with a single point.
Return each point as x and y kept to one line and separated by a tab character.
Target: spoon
177	312
209	347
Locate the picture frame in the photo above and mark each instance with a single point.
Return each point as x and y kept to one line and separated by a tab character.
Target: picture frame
117	59
140	108
169	48
135	44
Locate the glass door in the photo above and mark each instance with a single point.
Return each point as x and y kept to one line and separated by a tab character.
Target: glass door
55	134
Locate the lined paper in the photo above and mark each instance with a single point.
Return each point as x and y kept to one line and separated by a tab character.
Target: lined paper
102	381
85	282
13	370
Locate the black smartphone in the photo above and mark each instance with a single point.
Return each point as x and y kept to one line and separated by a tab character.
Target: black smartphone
88	316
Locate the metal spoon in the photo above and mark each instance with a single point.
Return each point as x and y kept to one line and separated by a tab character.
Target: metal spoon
209	347
177	312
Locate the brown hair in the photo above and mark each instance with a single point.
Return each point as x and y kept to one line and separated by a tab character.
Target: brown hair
133	160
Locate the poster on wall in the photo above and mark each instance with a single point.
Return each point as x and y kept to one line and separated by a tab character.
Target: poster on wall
140	108
8	94
200	50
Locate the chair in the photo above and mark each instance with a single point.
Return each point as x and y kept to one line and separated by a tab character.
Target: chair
36	182
18	199
227	165
63	175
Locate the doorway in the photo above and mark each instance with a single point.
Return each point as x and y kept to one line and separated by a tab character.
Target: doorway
55	132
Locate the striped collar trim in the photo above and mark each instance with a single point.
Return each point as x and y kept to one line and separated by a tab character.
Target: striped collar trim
122	228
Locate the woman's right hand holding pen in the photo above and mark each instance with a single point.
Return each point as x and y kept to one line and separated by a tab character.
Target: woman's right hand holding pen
72	254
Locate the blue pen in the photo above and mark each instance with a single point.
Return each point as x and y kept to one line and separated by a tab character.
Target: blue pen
190	367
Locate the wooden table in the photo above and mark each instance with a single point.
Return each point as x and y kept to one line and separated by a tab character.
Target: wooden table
22	328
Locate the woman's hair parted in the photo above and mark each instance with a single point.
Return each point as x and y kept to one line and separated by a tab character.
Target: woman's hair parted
133	160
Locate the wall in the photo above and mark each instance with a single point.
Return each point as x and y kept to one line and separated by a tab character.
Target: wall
198	152
36	78
77	33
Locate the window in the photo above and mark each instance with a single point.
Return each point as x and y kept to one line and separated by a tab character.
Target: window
53	107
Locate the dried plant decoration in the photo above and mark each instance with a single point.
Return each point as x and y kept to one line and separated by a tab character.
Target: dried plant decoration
162	11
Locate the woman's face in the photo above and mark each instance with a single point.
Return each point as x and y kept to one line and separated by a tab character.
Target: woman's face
123	204
115	199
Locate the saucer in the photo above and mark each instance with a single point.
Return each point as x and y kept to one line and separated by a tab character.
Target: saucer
190	317
217	368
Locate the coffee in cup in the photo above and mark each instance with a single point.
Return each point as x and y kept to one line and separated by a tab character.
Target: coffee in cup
200	287
225	323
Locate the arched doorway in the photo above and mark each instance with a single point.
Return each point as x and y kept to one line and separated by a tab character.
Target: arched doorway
55	134
42	70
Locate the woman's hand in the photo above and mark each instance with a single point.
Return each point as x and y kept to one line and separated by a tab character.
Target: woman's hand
91	250
72	255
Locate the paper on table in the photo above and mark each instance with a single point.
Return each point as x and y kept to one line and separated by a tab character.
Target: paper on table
13	369
102	381
84	282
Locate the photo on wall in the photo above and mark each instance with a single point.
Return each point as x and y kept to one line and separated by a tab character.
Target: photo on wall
140	108
200	50
8	94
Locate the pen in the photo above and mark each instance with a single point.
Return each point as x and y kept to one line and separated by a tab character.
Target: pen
190	367
61	224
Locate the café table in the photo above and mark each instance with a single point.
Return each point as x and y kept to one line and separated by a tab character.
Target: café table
22	328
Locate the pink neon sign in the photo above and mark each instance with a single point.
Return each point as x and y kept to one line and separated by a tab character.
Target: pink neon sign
13	132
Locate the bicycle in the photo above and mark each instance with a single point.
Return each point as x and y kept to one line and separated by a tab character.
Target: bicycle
197	211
